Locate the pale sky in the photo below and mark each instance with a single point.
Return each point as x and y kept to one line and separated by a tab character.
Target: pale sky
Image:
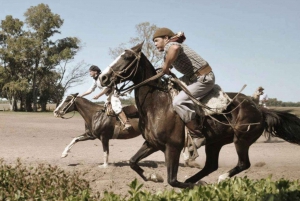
255	42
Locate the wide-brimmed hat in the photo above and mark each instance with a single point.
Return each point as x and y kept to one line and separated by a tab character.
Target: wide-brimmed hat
260	88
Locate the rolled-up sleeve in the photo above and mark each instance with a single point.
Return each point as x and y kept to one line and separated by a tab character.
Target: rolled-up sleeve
92	88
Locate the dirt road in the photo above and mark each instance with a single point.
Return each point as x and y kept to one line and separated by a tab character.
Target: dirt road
41	138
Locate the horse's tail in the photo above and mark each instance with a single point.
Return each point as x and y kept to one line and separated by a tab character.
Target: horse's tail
282	124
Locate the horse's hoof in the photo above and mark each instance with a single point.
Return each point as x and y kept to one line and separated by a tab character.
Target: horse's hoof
154	177
192	164
64	155
201	183
188	181
103	165
223	177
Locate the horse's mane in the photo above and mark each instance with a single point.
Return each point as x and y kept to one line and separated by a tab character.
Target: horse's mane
162	82
86	101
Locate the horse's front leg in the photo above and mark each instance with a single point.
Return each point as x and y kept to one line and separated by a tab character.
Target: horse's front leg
82	137
105	146
143	152
172	155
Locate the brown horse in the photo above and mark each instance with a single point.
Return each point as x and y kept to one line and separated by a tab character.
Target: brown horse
98	125
241	123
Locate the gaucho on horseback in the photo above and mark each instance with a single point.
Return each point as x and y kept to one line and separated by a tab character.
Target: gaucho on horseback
112	97
197	75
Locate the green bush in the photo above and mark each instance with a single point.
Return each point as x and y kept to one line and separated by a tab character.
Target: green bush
44	182
47	182
235	189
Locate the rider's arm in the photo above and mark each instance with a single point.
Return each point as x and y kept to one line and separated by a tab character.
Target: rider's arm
90	90
171	56
104	90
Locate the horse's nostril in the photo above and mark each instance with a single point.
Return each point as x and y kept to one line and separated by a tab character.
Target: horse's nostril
104	80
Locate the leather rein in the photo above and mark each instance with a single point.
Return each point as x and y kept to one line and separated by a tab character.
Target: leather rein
137	60
176	80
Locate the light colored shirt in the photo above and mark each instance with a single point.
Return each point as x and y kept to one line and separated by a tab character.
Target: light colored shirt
263	98
96	84
187	61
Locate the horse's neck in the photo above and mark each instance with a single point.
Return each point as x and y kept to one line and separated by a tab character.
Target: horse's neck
145	70
151	92
86	108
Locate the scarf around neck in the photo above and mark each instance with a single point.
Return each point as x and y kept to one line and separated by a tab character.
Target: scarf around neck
179	38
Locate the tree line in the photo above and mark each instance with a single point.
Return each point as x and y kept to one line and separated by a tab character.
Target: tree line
34	67
273	102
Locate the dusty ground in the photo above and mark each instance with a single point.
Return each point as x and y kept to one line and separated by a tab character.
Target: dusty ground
41	138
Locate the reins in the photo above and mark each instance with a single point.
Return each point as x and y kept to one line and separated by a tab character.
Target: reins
137	58
129	89
182	86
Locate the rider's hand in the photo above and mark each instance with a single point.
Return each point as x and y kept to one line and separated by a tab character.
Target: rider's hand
166	71
96	97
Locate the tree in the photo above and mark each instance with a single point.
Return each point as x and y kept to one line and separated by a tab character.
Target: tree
47	54
32	54
11	38
68	77
144	31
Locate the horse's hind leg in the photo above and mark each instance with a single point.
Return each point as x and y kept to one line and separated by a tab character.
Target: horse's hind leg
143	152
212	152
212	156
82	137
243	160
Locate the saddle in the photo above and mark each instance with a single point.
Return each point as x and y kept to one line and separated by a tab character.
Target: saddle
217	100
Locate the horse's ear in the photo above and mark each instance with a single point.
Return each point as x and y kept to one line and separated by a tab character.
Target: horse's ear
138	47
75	95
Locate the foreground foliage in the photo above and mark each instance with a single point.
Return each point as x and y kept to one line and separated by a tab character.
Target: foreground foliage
47	182
44	182
236	189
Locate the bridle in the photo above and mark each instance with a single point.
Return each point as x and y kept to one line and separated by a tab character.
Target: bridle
69	104
133	72
137	60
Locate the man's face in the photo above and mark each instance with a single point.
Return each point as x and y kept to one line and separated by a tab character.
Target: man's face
261	92
160	43
93	73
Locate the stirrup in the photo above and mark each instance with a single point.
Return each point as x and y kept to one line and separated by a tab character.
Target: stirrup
127	126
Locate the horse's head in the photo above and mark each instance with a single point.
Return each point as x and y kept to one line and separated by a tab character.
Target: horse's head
123	67
67	105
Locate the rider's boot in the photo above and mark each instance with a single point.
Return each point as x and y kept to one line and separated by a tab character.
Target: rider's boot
124	120
196	134
194	128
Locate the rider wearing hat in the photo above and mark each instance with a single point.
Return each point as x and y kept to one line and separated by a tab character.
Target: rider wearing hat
113	98
199	74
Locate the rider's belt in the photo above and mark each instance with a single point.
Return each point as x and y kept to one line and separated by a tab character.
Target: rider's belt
203	71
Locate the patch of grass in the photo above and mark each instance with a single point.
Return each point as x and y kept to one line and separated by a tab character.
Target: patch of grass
44	182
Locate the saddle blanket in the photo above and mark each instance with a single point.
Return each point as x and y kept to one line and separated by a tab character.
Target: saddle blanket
216	99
